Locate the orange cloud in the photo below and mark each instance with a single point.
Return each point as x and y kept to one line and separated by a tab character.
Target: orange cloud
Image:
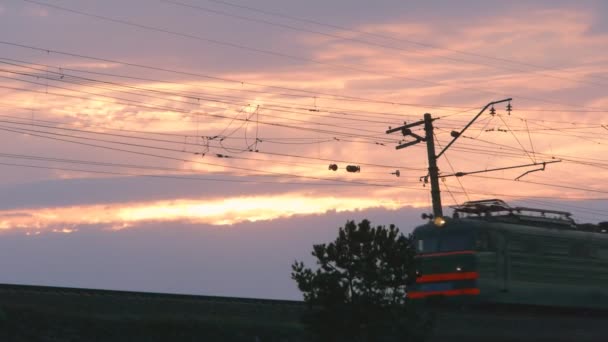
552	38
218	212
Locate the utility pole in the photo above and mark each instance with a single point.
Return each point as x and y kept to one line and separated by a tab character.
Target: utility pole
433	169
430	147
432	157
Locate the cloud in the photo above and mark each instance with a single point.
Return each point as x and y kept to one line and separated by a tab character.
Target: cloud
180	114
218	212
252	259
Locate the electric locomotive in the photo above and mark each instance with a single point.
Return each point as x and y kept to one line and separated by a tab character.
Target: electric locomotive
490	252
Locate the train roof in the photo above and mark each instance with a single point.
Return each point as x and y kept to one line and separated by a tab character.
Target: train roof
498	210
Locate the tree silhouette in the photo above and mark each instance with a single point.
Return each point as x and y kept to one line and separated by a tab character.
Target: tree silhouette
358	291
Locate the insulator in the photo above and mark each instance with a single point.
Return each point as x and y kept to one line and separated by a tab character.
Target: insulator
509	108
353	168
333	167
396	173
492	111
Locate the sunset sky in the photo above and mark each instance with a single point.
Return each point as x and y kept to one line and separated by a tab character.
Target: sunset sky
183	145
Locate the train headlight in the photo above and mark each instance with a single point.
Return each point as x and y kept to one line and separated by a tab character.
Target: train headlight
458	269
439	221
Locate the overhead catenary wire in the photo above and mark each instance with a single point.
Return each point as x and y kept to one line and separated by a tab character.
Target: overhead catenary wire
307	94
144	167
216	78
299	164
384	36
68	78
256	181
177	110
148	106
453	171
186	136
197	96
564	157
275	53
28	122
561	186
392	47
116	135
143	104
41	135
477	193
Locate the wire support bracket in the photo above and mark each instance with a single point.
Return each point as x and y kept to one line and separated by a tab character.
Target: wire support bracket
461	174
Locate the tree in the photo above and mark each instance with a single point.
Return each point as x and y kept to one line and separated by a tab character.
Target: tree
358	291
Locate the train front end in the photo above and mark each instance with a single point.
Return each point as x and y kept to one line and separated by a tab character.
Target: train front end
446	264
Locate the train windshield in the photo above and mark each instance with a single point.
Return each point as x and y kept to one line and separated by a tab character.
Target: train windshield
444	241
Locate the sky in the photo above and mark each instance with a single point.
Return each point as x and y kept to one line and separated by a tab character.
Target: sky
184	145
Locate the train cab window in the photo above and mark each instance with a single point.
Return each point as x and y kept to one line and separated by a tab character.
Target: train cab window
441	241
456	242
427	244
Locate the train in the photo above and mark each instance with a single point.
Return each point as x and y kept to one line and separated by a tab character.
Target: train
491	253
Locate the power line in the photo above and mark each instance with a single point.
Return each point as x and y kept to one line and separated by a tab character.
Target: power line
68	78
383	36
85	162
566	158
371	43
453	171
173	177
479	193
333	133
336	110
147	106
135	166
541	183
176	143
185	73
28	132
574	208
241	82
273	53
196	96
28	122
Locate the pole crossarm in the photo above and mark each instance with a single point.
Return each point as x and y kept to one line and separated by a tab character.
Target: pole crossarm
405	130
460	174
457	135
398	147
397	129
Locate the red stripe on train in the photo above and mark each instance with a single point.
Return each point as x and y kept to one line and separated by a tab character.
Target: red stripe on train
427	278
